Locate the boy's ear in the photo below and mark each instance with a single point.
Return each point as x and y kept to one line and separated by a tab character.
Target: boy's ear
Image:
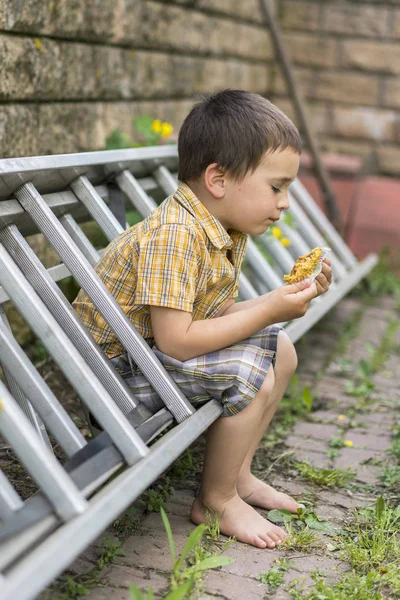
215	180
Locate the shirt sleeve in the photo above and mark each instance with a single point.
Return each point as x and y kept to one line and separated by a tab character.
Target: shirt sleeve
168	268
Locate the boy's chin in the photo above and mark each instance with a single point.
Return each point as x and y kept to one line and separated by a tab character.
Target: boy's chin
259	230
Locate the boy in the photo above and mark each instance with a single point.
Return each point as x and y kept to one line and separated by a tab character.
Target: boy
176	276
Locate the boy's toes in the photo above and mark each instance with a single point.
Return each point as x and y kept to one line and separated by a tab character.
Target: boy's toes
259	542
270	542
275	538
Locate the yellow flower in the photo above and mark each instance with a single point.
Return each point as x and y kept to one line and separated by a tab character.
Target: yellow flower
341	417
156	126
348	443
166	129
276	232
285	242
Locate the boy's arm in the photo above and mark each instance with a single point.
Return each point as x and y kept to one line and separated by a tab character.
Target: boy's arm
178	335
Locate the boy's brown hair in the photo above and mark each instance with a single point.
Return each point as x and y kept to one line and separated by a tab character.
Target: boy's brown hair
234	129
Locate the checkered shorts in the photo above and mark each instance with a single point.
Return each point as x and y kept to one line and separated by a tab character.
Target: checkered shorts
231	375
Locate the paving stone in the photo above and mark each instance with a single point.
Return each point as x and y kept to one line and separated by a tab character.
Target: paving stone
368	474
250	561
180	503
108	593
333	498
294	488
369	440
353	457
331	388
81	566
300	443
333	514
141	549
124	576
179	525
315	458
328	416
233	587
330	568
315	430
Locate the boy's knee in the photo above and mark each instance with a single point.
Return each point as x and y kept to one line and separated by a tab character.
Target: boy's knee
268	383
286	355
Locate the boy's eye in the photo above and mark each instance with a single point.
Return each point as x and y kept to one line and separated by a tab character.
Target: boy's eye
275	189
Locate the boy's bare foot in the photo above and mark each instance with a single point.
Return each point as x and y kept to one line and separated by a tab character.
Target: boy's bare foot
238	519
257	493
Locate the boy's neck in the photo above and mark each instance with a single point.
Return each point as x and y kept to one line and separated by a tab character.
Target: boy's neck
215	207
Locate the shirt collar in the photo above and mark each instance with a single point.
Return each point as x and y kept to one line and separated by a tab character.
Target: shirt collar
217	235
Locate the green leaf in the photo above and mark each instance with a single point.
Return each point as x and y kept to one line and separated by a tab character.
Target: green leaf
169	534
365	368
180	592
307	398
193	539
379	507
135	593
213	562
143	124
314	523
288	219
293	385
280	516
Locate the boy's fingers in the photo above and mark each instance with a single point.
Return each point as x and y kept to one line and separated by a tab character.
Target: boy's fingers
309	293
327	271
298	286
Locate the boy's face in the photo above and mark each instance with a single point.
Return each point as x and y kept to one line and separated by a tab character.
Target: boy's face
256	202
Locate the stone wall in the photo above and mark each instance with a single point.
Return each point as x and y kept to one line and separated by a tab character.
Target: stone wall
347	61
73	70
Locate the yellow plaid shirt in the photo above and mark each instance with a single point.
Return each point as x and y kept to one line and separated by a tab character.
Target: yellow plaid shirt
179	257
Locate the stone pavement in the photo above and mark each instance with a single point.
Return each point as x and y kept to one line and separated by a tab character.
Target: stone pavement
146	560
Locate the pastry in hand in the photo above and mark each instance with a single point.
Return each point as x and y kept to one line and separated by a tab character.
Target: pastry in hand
307	266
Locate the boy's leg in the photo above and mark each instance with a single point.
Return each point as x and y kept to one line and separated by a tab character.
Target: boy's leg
251	489
228	443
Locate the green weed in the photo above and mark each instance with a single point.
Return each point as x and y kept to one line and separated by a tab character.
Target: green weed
382	280
351	587
184	466
158	494
109	551
126	524
336	441
324	477
72	590
390	476
275	575
184	575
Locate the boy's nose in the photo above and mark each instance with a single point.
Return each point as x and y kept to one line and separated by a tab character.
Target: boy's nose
284	203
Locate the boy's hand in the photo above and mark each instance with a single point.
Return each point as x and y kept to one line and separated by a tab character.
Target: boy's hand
324	279
291	301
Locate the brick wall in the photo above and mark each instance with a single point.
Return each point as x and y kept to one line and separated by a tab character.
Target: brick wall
73	70
70	72
347	62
